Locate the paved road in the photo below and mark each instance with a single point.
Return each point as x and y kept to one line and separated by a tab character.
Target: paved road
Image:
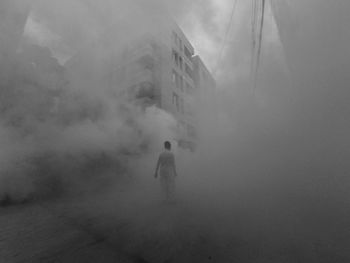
102	228
115	226
143	229
32	233
136	228
108	227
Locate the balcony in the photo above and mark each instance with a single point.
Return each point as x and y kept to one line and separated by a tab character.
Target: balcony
144	93
146	61
141	51
145	90
141	75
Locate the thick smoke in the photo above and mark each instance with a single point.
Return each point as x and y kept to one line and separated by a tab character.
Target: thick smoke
268	182
283	165
62	125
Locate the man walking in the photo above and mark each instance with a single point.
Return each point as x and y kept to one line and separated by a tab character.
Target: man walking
167	172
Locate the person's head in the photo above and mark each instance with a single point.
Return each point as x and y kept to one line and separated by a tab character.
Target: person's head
167	145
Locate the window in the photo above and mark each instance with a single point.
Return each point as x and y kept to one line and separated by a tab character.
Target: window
173	76
180	62
188	53
177	79
188	70
175	57
181	83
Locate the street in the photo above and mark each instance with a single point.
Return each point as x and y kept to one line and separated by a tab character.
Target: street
31	233
104	227
134	225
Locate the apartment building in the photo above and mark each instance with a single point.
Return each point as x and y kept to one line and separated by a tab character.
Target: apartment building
157	67
205	86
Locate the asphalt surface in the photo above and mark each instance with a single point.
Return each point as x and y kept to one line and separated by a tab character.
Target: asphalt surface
134	225
32	233
104	227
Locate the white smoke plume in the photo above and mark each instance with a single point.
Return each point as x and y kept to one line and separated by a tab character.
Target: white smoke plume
269	180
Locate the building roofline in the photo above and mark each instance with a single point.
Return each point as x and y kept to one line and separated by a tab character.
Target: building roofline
183	35
202	64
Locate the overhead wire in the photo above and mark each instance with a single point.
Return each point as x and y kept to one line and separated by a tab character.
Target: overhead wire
260	34
225	37
256	56
253	32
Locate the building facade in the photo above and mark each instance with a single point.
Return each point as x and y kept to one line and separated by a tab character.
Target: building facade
158	68
204	82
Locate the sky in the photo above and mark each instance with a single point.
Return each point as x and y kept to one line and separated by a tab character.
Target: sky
204	22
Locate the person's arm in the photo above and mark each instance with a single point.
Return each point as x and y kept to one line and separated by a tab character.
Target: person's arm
157	168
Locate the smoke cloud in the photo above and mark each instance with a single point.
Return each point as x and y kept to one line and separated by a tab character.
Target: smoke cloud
268	182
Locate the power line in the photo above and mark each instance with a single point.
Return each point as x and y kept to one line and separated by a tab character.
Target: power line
257	40
260	35
225	37
253	25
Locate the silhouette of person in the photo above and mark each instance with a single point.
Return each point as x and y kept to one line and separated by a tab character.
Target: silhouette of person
166	170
